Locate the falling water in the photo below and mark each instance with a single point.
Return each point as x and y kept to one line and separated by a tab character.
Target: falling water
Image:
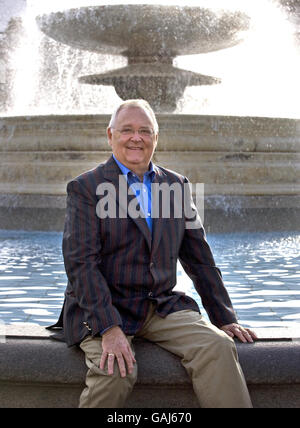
260	77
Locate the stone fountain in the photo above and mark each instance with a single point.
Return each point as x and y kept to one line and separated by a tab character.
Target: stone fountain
250	166
292	11
150	37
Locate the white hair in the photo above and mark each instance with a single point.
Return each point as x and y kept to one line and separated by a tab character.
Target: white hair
140	103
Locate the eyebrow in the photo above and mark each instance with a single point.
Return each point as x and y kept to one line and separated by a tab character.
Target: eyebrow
141	127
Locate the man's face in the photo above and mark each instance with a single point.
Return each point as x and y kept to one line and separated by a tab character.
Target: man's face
132	138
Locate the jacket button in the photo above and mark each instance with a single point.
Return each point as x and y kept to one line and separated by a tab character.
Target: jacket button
150	294
87	326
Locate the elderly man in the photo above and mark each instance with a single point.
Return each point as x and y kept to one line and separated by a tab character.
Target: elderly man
122	270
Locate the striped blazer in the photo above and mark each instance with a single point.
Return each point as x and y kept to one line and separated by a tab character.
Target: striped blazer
115	267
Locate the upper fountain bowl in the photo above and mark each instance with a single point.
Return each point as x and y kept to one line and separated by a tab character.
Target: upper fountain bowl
150	36
157	30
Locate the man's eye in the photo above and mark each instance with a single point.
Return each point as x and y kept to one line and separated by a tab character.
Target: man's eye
126	131
145	132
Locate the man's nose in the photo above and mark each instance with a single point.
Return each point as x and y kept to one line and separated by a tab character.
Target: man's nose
136	135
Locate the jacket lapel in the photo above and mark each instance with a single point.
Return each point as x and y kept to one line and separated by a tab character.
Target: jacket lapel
113	174
159	222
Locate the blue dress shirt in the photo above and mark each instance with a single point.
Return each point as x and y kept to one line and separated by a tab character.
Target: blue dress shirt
142	190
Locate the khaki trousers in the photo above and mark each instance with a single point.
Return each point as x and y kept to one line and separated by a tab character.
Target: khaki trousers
208	354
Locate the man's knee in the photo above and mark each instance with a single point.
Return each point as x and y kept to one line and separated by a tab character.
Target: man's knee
217	352
115	378
105	391
216	345
223	343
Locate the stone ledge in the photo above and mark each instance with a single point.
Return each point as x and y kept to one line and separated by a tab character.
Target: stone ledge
36	371
34	331
233	219
73	132
227	203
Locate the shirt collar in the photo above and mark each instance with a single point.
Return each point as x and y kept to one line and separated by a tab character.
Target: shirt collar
125	170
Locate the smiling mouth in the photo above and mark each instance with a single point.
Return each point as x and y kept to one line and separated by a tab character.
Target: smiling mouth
134	148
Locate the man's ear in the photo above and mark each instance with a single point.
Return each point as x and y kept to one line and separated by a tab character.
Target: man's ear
109	135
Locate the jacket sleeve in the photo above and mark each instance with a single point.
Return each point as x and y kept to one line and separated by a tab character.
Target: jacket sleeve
197	260
82	256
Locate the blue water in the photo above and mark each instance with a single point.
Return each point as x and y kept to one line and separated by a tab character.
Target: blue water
261	272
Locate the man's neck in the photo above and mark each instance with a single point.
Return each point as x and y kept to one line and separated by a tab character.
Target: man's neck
139	171
136	169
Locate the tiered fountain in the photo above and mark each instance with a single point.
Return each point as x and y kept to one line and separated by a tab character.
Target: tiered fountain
245	163
251	173
150	37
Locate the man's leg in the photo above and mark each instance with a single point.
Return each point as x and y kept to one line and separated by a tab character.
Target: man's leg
103	391
208	355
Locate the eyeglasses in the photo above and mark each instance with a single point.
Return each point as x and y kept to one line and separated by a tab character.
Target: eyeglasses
143	132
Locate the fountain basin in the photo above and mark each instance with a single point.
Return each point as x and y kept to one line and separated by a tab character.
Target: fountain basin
231	155
132	30
246	163
154	82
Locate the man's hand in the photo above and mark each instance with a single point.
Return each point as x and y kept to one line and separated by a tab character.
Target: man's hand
116	345
243	334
